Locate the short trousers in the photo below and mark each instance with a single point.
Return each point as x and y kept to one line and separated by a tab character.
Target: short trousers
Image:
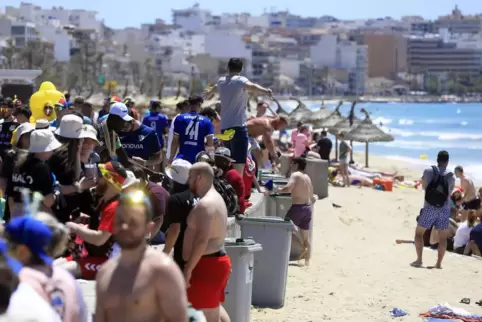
300	215
89	266
473	204
343	160
208	281
238	145
438	218
254	144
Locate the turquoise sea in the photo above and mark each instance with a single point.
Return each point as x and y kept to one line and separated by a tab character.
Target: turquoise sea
423	129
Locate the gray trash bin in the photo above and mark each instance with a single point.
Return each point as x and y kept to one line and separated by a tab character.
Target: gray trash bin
238	291
274	235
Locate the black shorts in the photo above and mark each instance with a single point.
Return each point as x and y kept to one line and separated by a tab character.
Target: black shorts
473	204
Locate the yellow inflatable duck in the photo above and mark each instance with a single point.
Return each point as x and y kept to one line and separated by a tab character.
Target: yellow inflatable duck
42	102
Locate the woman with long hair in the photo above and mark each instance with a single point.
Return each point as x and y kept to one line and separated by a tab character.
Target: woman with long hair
35	241
66	165
462	236
32	172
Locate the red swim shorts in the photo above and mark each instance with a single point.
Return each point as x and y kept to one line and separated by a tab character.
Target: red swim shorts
89	266
208	281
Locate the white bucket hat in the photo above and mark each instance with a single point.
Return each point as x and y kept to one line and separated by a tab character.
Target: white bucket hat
130	180
71	127
90	133
43	141
179	171
21	130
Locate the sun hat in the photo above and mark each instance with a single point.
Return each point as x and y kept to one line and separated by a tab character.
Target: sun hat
131	180
120	109
114	173
71	127
43	141
179	171
32	233
90	133
224	153
42	124
21	130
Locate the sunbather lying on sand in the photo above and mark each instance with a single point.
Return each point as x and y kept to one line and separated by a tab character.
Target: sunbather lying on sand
336	179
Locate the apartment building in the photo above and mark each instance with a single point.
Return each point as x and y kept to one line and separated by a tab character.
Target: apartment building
432	55
192	19
457	23
387	53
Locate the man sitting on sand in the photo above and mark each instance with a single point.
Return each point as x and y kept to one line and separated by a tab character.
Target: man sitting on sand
141	284
438	183
300	213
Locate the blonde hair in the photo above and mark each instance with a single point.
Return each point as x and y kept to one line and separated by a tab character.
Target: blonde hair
60	234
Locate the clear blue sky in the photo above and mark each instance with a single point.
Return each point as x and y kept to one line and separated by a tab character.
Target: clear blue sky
124	13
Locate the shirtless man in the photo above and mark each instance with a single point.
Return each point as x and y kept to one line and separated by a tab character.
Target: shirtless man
300	213
140	284
470	200
207	266
264	126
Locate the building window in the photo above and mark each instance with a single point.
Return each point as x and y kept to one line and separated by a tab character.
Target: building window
18	30
20	41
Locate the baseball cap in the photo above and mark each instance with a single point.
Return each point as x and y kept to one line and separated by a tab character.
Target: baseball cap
32	233
114	173
14	264
120	109
179	171
224	153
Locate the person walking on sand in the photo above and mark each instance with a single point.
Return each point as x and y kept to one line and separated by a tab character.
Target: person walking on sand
141	284
233	92
300	213
345	149
207	267
438	183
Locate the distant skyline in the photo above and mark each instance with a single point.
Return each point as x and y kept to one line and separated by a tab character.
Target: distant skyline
122	13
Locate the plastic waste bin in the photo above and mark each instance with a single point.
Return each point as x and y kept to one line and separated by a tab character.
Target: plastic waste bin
238	291
274	235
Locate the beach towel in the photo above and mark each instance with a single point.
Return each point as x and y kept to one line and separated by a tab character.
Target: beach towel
445	311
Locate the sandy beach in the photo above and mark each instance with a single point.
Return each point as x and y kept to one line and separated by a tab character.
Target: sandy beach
358	273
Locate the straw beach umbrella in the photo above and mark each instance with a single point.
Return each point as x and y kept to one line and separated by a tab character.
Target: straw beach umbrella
300	114
319	117
368	132
331	119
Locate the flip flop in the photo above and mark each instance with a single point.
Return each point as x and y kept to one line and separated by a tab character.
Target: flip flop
416	265
479	303
465	300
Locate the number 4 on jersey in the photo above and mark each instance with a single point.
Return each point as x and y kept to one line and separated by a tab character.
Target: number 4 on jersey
192	130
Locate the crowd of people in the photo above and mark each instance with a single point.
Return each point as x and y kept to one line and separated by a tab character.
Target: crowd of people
87	193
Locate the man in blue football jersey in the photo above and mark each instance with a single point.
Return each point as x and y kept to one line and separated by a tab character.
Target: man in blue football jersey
140	142
193	133
156	121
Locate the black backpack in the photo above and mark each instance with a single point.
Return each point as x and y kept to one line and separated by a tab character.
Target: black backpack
437	191
229	195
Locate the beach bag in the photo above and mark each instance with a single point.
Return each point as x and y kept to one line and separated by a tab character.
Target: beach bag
437	191
229	195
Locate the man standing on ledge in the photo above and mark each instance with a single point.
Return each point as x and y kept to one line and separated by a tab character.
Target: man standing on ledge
233	92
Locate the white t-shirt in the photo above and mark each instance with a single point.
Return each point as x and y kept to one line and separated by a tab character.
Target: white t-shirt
462	235
170	136
26	305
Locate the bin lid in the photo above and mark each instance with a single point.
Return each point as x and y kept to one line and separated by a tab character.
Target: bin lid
265	220
239	242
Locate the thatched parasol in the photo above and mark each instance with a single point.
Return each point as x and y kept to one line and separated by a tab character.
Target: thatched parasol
301	108
367	132
300	114
332	119
317	118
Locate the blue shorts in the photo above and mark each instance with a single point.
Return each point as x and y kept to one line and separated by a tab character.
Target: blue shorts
238	145
438	218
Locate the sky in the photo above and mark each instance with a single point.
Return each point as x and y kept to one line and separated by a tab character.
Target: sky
127	13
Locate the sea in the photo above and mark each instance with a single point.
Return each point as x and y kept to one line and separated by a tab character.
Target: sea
421	130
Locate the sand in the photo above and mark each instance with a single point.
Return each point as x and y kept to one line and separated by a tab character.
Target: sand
358	273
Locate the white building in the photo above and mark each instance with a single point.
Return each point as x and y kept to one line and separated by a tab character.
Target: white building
23	32
466	41
290	67
61	40
331	53
192	19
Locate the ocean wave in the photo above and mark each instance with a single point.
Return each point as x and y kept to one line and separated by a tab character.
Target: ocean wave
426	145
450	136
405	122
382	120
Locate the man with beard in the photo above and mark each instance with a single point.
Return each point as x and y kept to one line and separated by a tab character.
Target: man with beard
96	240
207	267
141	284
